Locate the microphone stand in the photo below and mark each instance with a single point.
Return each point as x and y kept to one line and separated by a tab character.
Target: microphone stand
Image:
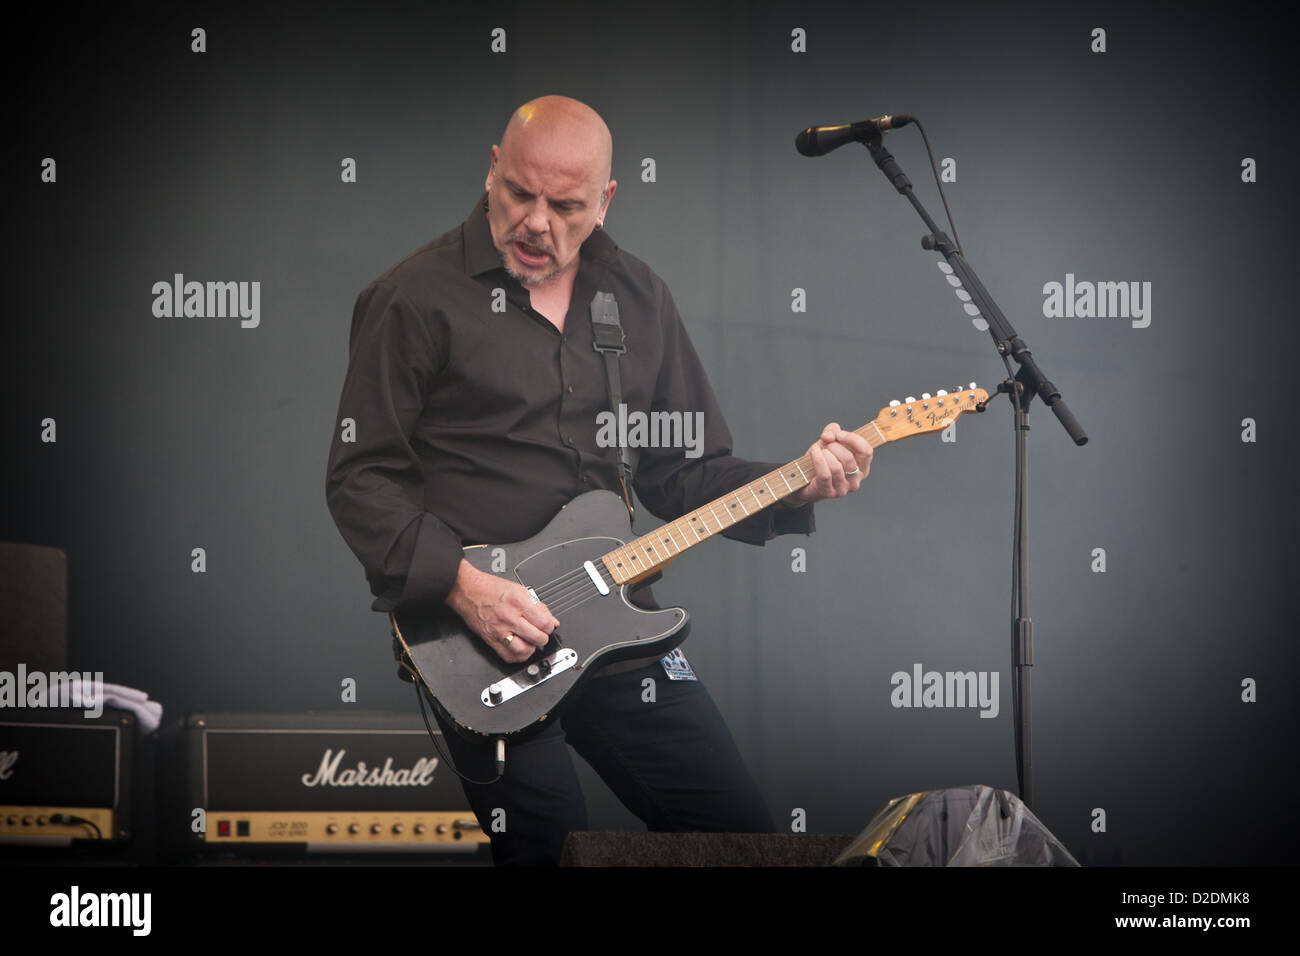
1021	386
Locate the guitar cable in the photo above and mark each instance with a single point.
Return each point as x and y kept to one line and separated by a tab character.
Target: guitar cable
74	820
447	761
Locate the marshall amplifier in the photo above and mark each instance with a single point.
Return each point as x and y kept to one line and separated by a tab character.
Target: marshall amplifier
65	777
315	783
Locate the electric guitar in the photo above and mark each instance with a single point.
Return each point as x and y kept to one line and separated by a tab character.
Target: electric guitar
582	565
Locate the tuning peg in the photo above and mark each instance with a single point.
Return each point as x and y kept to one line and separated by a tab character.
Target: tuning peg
894	402
972	385
941	392
925	396
910	400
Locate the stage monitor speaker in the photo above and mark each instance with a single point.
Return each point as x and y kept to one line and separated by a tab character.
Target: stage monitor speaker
963	826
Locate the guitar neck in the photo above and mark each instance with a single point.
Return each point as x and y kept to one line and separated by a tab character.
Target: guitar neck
643	556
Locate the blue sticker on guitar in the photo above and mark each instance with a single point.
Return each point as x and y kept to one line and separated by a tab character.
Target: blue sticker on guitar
677	667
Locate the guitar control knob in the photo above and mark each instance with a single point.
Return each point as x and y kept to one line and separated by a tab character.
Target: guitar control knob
494	693
534	670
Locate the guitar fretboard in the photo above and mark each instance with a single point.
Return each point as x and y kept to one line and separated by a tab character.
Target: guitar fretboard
645	555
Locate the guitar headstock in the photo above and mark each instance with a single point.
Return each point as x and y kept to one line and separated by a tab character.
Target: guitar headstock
929	413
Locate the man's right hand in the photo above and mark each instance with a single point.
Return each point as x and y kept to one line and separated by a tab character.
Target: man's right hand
504	614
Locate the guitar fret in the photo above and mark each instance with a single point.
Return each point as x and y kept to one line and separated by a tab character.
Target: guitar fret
635	559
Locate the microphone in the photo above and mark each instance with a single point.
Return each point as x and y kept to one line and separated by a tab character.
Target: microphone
820	140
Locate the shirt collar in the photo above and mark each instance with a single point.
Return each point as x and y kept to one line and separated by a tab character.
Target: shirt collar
481	255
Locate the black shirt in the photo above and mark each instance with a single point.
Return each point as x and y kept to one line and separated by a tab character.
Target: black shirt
474	420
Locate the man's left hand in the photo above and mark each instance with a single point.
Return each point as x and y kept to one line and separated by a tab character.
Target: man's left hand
840	461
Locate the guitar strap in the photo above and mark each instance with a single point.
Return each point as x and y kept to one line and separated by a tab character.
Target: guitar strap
607	338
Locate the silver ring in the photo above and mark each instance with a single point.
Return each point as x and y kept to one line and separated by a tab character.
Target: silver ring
849	474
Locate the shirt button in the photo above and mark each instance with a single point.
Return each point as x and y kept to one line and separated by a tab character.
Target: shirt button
570	389
568	440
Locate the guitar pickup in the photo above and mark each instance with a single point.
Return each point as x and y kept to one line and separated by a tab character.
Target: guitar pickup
529	677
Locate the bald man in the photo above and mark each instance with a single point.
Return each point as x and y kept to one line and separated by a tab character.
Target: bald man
475	386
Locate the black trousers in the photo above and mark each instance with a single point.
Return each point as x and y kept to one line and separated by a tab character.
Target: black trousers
672	762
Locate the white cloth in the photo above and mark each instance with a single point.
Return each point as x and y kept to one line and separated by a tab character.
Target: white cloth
148	712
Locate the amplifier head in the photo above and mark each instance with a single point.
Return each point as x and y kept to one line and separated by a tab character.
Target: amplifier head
65	777
353	782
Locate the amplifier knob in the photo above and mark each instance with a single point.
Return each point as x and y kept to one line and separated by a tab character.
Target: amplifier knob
354	828
375	828
332	829
442	828
398	828
27	821
419	829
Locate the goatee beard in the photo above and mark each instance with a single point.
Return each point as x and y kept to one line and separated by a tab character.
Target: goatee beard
527	279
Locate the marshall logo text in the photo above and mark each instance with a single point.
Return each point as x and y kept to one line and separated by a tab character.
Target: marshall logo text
328	774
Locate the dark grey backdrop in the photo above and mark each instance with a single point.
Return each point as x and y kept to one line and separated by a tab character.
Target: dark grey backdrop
1123	166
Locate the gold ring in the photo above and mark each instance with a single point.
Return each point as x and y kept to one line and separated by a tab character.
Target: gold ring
509	638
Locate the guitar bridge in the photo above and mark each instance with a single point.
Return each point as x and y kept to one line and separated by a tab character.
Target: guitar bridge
525	680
